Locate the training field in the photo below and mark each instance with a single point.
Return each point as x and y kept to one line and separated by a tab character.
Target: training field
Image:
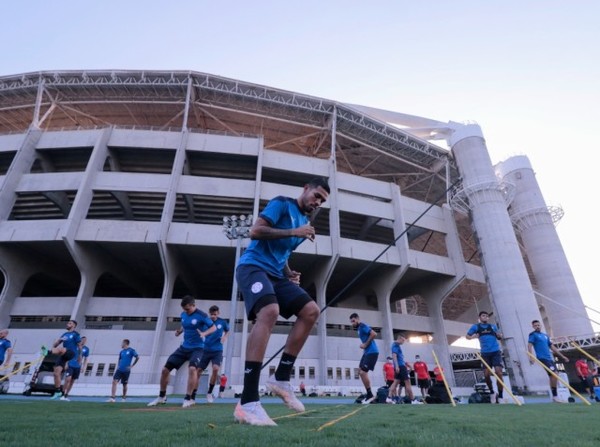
40	422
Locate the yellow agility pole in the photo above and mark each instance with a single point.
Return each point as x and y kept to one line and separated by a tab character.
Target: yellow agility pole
559	378
437	363
7	366
16	371
490	369
585	353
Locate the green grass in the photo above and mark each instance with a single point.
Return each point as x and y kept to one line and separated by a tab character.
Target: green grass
46	423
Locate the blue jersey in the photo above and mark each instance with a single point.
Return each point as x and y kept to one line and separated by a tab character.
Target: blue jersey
191	324
212	342
397	349
126	357
364	330
83	353
4	346
487	337
272	255
70	341
541	344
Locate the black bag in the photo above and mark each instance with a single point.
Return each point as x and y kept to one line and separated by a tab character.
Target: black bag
479	398
382	394
437	394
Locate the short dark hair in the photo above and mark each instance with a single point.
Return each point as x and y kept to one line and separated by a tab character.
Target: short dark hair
74	321
319	181
188	299
535	321
212	309
126	340
401	334
354	315
484	312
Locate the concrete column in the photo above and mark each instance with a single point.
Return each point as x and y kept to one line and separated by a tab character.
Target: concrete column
510	289
16	269
558	291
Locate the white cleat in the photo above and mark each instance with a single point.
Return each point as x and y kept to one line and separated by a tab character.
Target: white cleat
368	401
286	392
558	400
210	398
187	403
252	413
158	401
65	398
111	400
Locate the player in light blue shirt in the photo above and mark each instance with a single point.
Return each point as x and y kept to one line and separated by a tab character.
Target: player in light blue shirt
541	344
213	350
370	353
5	348
401	374
74	367
70	341
128	357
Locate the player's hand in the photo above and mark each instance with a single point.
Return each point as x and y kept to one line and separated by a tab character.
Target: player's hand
294	276
306	231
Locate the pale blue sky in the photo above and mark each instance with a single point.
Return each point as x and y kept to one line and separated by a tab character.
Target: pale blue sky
527	71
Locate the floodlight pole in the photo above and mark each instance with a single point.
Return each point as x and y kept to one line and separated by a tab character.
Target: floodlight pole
238	228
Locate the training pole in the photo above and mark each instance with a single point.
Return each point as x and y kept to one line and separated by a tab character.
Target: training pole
585	353
371	263
559	378
490	369
443	379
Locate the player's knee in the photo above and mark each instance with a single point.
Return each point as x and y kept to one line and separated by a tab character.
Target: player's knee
268	314
310	312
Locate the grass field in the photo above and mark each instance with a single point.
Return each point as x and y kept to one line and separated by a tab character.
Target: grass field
39	422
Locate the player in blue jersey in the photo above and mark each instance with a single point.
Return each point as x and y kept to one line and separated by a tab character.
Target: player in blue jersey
544	350
401	374
370	354
488	335
271	288
195	326
5	349
128	357
213	350
74	367
70	341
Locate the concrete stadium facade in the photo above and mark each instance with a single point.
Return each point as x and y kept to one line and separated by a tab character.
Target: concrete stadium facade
114	186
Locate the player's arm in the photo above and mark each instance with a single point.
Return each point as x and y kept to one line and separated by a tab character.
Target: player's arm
209	331
135	360
224	337
531	351
372	336
178	331
472	334
9	352
559	354
262	230
290	274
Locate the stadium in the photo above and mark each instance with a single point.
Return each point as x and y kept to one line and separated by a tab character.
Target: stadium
117	195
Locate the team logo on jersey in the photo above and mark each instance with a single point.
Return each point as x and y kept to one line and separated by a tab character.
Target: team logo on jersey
219	326
194	321
257	287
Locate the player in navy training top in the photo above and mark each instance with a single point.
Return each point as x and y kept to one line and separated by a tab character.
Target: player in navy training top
70	341
401	376
5	348
370	353
195	326
74	367
271	288
488	335
128	357
213	350
544	349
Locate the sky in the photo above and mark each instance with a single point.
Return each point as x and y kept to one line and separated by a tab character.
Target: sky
527	71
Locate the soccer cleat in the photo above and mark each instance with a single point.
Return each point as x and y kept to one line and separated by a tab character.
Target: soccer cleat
187	403
389	401
111	400
65	398
416	402
252	413
210	398
56	395
123	399
368	400
558	400
158	401
44	351
286	392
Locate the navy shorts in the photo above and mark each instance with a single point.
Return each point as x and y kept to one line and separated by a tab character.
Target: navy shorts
182	355
368	361
73	372
402	374
216	357
122	376
423	383
63	359
492	358
260	289
550	365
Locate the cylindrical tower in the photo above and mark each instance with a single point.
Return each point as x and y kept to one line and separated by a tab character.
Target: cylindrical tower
509	285
558	291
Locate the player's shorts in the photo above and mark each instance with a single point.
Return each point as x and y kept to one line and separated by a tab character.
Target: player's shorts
182	355
550	365
402	374
492	358
368	361
260	289
388	383
121	376
63	359
423	383
73	372
216	357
